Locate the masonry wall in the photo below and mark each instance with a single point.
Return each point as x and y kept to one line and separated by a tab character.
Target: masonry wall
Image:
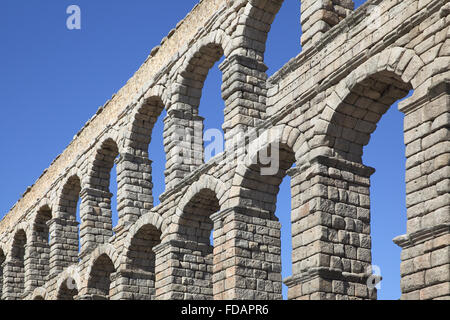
320	109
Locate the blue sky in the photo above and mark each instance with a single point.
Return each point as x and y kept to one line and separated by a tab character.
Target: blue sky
53	80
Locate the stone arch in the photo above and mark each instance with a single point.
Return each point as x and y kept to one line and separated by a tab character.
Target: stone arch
40	219
192	74
45	202
143	237
135	167
189	236
196	65
202	199
255	187
22	226
191	228
143	119
201	56
350	115
69	195
103	161
138	260
64	227
39	294
16	271
262	11
205	182
150	219
68	284
96	212
250	182
24	229
183	124
101	275
104	249
39	247
357	103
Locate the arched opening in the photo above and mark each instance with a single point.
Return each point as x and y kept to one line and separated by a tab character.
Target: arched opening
103	164
67	237
41	230
283	212
212	108
17	264
387	193
268	193
2	261
141	262
158	158
39	298
195	227
68	290
194	78
193	133
101	278
97	221
352	127
113	188
41	247
147	140
356	118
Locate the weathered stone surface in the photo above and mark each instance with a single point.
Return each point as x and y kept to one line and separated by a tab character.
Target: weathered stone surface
320	108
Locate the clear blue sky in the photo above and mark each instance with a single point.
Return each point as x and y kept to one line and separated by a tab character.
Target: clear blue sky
53	80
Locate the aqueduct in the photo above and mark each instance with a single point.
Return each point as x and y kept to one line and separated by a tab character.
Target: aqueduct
321	108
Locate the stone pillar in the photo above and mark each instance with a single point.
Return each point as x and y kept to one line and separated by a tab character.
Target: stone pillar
168	283
319	16
114	288
8	281
13	280
425	267
183	271
64	243
183	143
37	267
247	255
134	187
331	231
244	92
96	218
134	285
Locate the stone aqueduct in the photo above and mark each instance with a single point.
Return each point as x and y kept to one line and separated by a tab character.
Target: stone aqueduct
323	105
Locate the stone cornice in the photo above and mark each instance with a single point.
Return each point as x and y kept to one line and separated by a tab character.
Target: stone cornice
420	236
435	91
326	273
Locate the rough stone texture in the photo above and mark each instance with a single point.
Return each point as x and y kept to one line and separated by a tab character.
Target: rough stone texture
321	108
